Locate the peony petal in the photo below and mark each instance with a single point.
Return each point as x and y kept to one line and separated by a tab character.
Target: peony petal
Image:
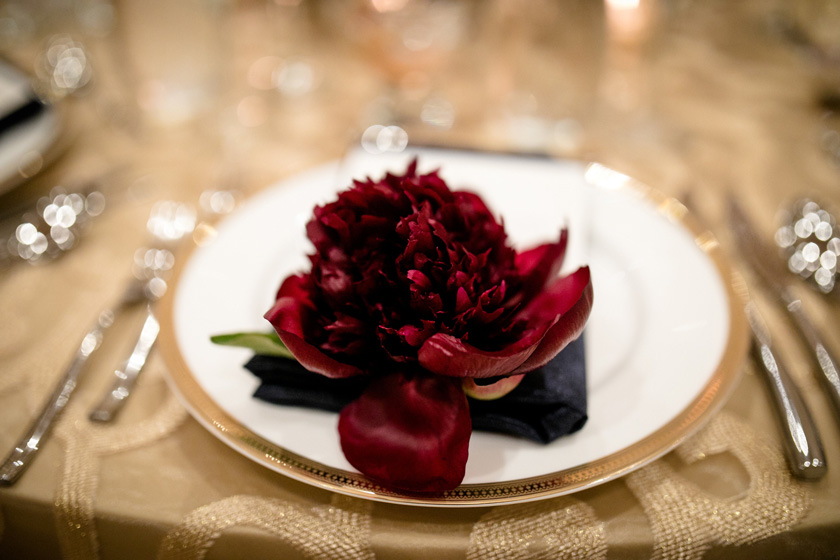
571	298
295	286
409	432
540	264
555	318
445	354
288	316
462	300
334	282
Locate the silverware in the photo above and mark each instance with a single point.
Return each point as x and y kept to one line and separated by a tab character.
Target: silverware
126	375
26	449
802	443
765	261
800	438
168	223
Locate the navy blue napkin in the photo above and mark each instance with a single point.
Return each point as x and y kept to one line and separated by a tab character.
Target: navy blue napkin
548	403
30	109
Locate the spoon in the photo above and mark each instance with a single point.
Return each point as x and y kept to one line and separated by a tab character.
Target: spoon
800	436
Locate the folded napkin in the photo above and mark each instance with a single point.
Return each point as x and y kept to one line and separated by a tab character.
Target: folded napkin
27	110
18	103
547	404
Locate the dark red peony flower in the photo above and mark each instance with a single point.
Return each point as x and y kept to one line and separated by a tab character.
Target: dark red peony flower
415	285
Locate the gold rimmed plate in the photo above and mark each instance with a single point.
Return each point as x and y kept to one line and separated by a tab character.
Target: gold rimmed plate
664	344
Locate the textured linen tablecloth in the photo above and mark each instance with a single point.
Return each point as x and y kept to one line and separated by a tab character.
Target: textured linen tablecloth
704	96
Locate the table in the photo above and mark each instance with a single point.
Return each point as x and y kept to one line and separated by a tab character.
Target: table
710	97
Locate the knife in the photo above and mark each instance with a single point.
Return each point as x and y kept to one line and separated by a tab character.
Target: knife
765	261
800	438
126	376
26	449
802	444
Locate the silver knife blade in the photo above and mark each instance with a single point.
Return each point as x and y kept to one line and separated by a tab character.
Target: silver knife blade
767	264
126	376
27	447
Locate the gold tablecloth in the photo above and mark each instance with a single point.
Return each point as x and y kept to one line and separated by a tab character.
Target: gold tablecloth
706	97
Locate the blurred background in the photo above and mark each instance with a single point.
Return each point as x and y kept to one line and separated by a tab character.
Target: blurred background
240	93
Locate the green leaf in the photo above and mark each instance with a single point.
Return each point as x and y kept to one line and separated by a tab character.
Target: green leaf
267	344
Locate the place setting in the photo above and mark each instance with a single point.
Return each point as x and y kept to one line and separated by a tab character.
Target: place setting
572	441
417	278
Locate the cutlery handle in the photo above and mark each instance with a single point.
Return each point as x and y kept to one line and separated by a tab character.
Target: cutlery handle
126	376
827	363
25	450
803	447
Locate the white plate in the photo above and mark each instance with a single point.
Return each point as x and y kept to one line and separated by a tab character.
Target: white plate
28	141
664	343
